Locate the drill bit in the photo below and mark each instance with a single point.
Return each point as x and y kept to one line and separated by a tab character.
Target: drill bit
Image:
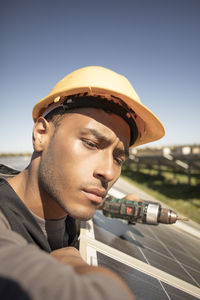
182	218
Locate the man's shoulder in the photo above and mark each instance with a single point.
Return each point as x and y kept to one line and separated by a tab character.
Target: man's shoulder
6	171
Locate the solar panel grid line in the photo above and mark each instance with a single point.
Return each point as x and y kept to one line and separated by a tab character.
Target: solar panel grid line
190	265
178	250
190	254
174	257
113	233
158	253
132	236
170	258
150	238
143	267
143	286
107	223
171	268
143	240
164	290
178	294
179	235
177	241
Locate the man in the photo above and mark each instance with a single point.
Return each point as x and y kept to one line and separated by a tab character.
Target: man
81	137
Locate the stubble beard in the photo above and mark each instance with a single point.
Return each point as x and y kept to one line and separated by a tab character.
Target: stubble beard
47	179
47	182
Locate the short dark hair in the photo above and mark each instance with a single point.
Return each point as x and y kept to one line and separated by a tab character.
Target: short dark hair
56	115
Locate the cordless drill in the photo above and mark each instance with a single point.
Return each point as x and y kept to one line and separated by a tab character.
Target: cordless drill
139	211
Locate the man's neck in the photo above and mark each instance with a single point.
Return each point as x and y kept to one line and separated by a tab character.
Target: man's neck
26	187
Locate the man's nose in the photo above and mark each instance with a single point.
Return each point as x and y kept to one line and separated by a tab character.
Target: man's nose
105	170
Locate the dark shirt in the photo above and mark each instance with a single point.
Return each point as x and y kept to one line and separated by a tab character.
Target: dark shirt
22	221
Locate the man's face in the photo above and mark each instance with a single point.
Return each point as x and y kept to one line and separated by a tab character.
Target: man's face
82	160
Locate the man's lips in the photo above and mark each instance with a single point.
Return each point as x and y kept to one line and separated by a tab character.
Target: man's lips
95	195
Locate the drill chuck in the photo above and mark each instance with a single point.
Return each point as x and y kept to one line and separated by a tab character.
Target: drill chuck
138	211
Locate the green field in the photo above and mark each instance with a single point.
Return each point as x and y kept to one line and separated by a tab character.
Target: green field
168	187
15	154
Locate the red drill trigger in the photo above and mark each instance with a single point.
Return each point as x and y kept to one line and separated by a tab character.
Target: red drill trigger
129	210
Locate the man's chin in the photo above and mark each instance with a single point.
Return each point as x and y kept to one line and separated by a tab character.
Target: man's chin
82	216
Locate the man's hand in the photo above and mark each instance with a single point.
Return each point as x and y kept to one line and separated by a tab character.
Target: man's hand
132	197
69	255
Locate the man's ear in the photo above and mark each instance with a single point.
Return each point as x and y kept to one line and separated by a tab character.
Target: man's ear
42	132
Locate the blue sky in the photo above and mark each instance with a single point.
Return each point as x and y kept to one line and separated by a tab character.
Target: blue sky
155	44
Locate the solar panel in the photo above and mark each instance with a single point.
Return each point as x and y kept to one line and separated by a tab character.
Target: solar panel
157	262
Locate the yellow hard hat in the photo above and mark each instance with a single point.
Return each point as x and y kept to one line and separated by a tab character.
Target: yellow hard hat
99	81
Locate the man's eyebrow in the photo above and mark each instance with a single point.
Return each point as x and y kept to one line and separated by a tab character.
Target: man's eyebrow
103	138
96	134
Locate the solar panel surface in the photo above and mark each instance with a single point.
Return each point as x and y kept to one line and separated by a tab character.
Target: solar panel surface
165	260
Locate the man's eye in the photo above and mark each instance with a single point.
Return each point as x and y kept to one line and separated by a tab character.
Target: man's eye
89	144
119	161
